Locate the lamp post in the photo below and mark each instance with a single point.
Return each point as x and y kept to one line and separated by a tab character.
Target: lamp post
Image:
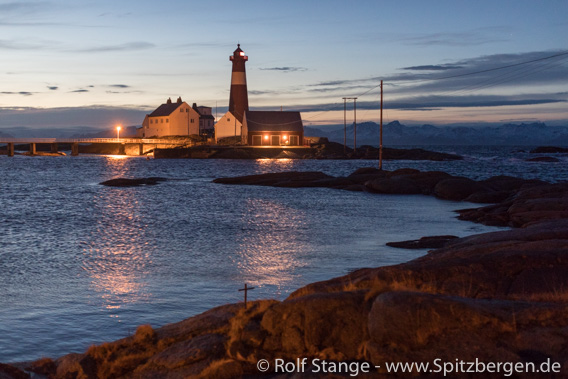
118	132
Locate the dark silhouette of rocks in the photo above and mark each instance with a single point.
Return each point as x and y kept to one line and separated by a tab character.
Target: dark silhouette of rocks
528	205
549	150
431	242
125	182
322	150
402	181
12	372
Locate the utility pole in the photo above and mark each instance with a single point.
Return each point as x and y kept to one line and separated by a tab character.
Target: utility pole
344	125
381	132
354	122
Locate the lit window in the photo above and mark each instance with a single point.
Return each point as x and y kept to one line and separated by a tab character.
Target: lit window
242	53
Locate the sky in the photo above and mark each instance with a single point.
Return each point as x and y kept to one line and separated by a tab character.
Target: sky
100	63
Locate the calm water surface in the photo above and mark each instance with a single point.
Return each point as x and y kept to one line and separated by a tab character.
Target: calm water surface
81	263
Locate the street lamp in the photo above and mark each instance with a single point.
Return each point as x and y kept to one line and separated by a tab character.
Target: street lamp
118	132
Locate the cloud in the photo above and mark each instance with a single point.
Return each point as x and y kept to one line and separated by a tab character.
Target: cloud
23	93
432	67
52	88
429	103
130	46
80	91
257	92
469	76
18	45
26	6
474	37
284	69
119	86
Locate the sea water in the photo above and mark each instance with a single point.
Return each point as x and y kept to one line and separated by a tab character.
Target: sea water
81	263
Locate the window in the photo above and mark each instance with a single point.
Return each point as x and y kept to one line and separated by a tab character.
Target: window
162	120
167	120
228	119
192	121
181	110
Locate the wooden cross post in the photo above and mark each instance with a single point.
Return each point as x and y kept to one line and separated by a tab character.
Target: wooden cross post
246	289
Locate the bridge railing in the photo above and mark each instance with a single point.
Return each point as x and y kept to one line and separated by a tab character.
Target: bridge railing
159	141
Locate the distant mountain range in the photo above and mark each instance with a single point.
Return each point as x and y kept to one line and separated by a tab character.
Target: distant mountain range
395	133
126	132
5	135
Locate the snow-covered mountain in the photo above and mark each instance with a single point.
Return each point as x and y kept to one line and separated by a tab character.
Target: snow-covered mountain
395	133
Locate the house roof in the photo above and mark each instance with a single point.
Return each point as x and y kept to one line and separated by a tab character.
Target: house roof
273	121
165	109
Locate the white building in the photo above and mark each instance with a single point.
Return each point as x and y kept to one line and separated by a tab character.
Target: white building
171	119
227	126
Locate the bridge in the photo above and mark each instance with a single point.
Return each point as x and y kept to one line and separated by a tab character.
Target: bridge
122	143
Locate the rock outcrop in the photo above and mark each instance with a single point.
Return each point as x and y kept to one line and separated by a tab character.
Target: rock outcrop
431	242
127	182
320	150
402	181
549	150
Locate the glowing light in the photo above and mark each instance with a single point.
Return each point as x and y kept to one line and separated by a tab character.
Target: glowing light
242	53
113	156
284	137
266	137
118	127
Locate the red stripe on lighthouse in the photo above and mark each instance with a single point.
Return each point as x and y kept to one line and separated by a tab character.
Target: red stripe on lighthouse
238	99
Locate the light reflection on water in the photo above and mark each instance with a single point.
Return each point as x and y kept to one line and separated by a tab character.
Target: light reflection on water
268	250
82	263
116	254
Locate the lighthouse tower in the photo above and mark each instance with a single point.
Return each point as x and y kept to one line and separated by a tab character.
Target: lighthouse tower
238	100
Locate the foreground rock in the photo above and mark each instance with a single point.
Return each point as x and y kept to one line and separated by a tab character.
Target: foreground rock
529	205
126	182
493	297
432	242
402	182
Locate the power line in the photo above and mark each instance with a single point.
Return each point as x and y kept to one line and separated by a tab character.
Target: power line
565	53
474	87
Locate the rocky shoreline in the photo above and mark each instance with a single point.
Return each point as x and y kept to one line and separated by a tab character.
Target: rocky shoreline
494	297
322	150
